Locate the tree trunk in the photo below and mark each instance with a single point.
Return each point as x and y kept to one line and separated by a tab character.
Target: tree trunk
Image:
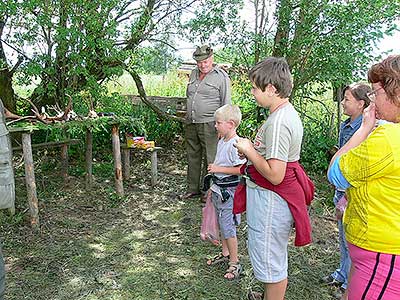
282	32
6	91
7	94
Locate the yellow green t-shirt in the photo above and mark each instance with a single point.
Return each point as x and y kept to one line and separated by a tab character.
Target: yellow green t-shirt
372	217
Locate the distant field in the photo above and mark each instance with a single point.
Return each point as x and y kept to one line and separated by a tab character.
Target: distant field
170	84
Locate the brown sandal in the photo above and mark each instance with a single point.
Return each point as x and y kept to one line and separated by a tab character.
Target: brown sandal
255	295
217	259
235	269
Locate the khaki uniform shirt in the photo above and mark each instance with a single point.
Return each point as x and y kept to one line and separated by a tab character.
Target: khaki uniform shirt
205	96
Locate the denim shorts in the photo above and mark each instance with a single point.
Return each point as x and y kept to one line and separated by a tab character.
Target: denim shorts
269	223
226	219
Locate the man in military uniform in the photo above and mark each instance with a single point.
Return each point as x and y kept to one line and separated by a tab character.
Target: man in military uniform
208	89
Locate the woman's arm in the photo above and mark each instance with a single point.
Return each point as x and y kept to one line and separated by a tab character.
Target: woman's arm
368	124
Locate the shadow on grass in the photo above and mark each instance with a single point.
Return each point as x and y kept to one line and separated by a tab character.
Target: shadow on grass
94	245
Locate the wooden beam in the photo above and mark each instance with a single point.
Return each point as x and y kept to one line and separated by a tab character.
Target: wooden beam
50	144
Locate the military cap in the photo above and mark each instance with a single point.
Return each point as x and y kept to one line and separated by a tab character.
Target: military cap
202	53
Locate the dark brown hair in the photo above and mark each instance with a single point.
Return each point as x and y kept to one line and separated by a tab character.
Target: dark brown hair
275	71
360	92
387	73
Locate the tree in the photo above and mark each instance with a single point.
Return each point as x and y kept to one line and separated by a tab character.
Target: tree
74	46
328	42
7	70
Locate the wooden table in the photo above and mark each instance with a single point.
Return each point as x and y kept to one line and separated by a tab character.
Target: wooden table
29	173
26	148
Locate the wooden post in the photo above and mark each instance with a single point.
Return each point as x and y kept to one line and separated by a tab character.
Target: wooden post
64	162
89	158
30	180
117	160
126	163
154	167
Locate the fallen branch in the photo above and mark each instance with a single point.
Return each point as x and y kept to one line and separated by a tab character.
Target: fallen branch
143	97
21	119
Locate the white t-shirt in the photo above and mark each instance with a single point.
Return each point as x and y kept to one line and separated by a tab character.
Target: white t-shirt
281	135
227	155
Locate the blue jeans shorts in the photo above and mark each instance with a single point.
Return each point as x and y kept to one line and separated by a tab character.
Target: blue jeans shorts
269	223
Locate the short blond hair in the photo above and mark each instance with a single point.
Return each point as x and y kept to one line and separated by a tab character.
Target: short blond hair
229	112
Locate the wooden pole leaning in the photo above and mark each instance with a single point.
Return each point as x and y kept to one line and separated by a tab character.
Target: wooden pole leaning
117	160
30	180
64	162
126	162
89	157
154	171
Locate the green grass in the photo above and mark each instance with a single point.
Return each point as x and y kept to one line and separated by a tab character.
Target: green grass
94	245
170	84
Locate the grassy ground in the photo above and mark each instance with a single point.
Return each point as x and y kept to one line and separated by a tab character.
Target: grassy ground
94	245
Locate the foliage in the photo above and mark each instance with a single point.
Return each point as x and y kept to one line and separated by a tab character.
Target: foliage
164	132
325	42
77	45
158	59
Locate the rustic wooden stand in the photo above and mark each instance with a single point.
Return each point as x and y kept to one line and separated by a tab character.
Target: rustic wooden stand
126	162
121	171
30	170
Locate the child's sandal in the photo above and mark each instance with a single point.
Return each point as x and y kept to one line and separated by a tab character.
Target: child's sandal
235	269
217	259
255	295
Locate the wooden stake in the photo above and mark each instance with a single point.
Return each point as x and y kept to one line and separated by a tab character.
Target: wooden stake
154	172
117	160
126	163
64	162
30	180
89	158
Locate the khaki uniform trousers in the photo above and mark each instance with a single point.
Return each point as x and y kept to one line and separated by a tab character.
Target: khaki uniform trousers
201	147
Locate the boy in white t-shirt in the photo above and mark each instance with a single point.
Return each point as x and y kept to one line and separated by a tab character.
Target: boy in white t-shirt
277	143
225	170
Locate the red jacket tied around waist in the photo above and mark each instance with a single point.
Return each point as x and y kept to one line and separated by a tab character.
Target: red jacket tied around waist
296	188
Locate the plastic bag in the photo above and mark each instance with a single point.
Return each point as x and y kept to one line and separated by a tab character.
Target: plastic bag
209	223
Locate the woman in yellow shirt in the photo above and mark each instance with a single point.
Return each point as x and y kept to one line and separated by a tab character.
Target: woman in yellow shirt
368	167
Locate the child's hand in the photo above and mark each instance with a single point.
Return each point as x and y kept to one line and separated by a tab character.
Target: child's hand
212	168
243	146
